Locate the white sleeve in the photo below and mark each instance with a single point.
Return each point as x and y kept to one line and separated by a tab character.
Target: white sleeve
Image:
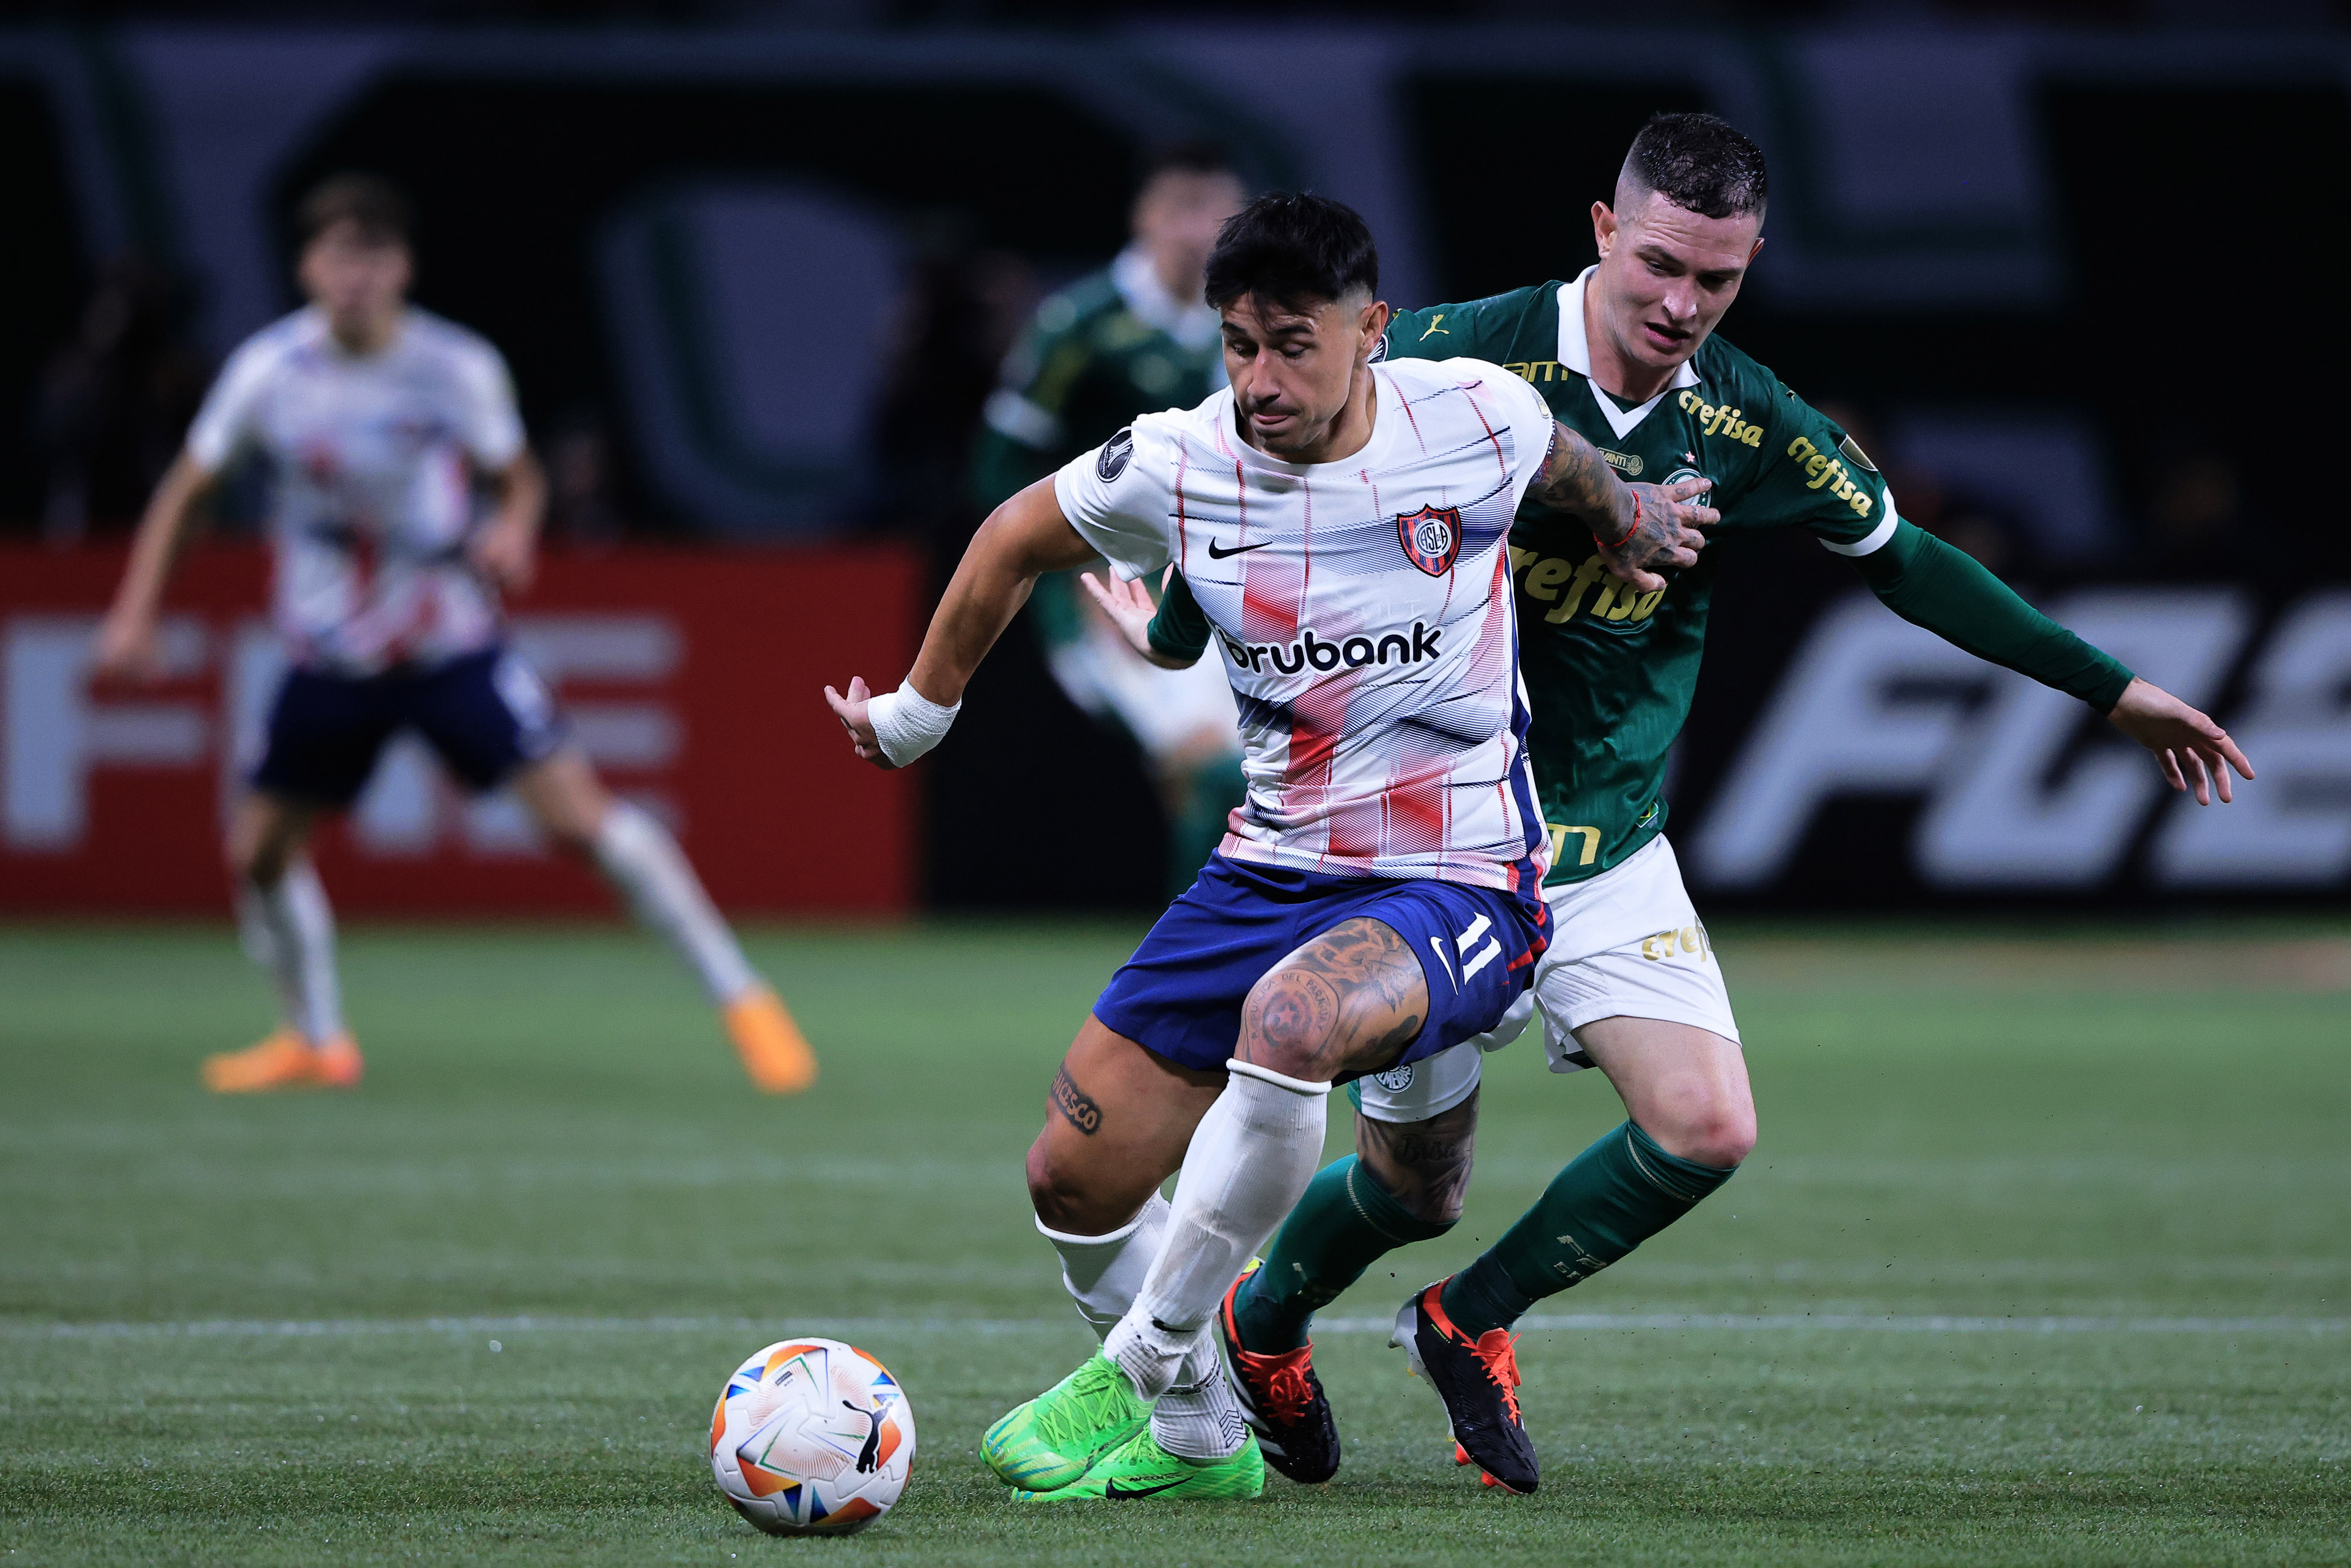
1533	427
488	425
227	418
1116	496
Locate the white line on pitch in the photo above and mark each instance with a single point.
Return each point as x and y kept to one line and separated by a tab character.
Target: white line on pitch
1592	1322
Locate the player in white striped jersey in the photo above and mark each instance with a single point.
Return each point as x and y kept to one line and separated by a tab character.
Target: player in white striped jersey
377	420
1341	530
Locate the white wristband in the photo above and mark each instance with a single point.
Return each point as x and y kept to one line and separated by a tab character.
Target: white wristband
906	724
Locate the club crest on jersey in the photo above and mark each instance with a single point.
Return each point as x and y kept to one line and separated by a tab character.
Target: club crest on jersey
1431	537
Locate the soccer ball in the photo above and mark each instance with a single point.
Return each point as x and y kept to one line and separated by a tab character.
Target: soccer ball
812	1437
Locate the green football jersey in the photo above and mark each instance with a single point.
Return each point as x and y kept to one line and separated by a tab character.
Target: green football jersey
1108	347
1610	671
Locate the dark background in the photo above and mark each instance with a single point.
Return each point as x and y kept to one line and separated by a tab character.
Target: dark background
2200	225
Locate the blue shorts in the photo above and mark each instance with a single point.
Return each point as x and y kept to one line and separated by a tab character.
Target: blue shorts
484	714
1180	996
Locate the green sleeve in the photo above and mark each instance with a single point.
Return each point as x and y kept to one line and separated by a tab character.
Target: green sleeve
1002	467
1805	470
1023	436
1929	583
1478	330
1180	630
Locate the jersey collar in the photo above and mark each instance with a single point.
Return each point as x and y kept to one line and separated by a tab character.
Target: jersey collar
1575	353
1137	282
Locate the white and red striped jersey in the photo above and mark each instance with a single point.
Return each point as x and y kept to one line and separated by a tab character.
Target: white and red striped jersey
1363	610
373	487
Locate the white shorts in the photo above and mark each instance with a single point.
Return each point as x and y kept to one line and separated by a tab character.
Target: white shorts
1624	944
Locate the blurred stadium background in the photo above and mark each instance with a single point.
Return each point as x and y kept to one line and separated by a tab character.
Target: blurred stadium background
2073	1047
754	279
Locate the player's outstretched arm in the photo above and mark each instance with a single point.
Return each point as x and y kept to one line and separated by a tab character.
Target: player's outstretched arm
2193	752
1642	530
1021	540
126	638
1931	584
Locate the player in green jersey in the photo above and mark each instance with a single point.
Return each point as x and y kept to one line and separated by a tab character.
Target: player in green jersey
1624	356
1132	339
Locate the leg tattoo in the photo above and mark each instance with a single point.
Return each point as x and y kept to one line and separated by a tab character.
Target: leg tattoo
1350	1000
1076	1107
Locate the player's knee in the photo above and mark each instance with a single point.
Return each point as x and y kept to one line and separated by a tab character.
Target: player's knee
259	861
1726	1141
1060	1194
1439	1207
1717	1132
1421	1167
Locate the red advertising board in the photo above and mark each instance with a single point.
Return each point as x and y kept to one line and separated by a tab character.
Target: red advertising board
692	678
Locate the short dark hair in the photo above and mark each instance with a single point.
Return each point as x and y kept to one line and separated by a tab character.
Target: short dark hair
1700	162
375	203
1188	157
1292	249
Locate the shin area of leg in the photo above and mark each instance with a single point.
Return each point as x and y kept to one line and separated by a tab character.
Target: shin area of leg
641	859
1249	1163
1103	1274
1415	1134
1628	1184
289	929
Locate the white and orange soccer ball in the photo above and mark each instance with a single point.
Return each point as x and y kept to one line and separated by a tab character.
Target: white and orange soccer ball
812	1437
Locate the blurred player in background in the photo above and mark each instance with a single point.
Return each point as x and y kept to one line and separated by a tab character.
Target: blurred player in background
379	421
1624	356
1132	340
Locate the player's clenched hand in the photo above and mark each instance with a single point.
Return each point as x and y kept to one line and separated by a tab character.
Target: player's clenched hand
852	711
126	648
1666	536
2193	752
507	554
1128	605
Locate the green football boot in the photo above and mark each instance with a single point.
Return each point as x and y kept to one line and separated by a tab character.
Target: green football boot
1051	1440
1139	1468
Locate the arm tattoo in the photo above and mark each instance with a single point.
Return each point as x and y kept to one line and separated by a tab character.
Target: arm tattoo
1577	480
1076	1106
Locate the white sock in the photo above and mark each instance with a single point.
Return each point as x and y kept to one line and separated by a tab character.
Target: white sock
1248	1165
1103	1273
641	859
289	930
1197	1417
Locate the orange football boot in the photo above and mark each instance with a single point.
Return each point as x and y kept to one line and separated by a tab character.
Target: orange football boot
338	1063
284	1061
773	1052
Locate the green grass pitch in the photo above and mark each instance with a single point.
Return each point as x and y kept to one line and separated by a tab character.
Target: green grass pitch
2044	1257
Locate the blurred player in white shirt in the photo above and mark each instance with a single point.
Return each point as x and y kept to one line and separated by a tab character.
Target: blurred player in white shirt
379	420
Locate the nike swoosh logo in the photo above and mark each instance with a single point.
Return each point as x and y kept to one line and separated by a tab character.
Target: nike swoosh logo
1218	553
1112	1489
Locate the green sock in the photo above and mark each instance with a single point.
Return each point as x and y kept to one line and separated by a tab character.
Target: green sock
1610	1197
1345	1220
1212	792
